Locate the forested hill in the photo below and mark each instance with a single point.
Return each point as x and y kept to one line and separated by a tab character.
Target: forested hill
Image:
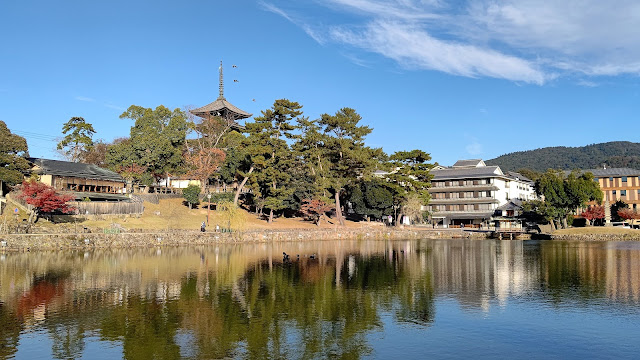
613	154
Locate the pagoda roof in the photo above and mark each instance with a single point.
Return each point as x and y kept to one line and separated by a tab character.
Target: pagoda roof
221	107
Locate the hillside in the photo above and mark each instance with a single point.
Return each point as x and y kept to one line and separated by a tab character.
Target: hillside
611	154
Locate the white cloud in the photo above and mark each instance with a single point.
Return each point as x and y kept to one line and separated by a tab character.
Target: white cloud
111	106
529	41
412	47
315	35
84	98
474	149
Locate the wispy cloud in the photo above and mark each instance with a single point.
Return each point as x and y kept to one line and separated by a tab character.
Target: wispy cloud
412	47
474	149
115	107
84	98
315	35
587	83
527	41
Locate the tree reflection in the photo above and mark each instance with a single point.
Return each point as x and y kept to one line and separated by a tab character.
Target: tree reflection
10	329
240	301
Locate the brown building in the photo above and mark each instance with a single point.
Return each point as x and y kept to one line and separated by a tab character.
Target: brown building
619	184
82	180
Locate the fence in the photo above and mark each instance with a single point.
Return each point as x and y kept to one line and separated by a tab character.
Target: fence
107	208
154	198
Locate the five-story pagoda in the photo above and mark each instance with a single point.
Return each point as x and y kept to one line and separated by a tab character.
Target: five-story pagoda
222	108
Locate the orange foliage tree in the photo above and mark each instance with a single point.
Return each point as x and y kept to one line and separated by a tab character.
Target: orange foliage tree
594	213
203	155
628	214
44	199
314	209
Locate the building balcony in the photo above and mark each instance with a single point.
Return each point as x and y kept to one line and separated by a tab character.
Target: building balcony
483	200
463	214
458	188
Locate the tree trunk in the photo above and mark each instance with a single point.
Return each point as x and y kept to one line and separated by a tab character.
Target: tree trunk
338	209
270	216
553	225
244	181
564	223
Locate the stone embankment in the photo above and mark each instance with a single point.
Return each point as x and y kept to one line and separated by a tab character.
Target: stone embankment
597	237
21	242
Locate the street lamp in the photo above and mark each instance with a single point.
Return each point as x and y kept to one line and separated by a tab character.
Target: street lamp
208	208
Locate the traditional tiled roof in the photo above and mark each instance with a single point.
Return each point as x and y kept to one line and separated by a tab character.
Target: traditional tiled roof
101	196
615	172
469	163
221	107
466	172
514	204
518	176
71	169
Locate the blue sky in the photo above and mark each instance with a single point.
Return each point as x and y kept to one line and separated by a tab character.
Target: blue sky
466	79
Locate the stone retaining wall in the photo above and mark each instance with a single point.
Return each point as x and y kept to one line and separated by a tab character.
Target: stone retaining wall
90	240
598	237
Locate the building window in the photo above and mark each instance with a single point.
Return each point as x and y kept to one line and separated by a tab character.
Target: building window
611	178
624	179
623	192
614	192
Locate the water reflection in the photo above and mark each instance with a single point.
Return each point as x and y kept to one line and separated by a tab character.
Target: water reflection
324	301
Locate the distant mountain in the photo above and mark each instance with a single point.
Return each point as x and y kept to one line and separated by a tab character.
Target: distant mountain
611	154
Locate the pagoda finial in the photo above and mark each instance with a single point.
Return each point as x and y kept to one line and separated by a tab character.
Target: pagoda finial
221	85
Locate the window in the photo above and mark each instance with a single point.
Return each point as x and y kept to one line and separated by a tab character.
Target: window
614	192
624	179
611	178
623	192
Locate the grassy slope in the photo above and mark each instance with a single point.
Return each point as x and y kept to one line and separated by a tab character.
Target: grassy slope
174	215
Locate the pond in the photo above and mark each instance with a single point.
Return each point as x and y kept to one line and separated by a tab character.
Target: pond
329	299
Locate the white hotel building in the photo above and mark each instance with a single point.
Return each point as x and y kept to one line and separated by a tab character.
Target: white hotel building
469	192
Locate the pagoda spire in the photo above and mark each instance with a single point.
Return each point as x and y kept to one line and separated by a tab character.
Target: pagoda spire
221	85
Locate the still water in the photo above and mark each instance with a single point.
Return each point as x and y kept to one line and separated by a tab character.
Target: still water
342	299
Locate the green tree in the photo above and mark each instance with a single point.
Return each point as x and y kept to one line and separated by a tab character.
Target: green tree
191	195
157	140
615	207
78	138
13	150
563	194
269	154
410	174
372	198
346	156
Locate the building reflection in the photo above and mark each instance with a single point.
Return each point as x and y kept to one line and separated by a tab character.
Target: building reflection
245	299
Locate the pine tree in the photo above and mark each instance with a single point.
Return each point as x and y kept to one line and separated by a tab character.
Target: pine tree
347	158
78	138
270	156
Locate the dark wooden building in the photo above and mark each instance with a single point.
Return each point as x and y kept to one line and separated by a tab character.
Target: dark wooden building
83	180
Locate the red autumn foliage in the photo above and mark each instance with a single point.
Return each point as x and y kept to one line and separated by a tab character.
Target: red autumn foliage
44	198
628	214
204	162
594	212
314	209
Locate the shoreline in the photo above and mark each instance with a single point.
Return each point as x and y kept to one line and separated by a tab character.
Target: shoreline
61	241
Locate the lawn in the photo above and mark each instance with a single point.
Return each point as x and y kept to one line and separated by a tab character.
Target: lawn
172	214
